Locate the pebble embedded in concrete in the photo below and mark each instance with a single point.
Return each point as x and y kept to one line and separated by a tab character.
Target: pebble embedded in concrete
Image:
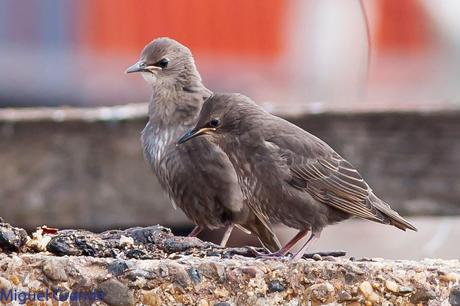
454	296
392	286
368	291
54	269
118	267
322	293
116	293
275	286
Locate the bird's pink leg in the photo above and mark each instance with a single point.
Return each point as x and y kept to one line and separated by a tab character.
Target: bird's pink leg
304	248
198	229
228	232
287	247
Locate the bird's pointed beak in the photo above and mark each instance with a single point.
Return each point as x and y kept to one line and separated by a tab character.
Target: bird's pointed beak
137	67
194	133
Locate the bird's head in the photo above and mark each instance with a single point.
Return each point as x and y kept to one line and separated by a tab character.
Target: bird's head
221	114
165	61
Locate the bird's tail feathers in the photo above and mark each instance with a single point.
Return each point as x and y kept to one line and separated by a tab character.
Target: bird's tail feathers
389	215
263	231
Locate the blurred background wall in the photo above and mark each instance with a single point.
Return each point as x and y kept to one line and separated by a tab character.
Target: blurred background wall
286	53
299	58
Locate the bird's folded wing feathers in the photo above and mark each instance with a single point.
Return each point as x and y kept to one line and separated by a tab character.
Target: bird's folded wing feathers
333	181
315	167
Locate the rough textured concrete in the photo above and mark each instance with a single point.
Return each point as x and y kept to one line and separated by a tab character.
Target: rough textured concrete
190	280
187	271
84	168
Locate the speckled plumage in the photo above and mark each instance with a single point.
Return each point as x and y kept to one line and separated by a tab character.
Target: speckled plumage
198	176
288	175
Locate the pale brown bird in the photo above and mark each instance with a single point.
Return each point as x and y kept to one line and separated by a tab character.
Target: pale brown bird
288	175
198	177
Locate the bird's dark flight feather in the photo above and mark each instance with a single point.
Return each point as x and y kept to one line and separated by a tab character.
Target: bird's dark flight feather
333	181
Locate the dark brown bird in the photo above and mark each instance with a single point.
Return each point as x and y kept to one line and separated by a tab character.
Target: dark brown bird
198	177
288	175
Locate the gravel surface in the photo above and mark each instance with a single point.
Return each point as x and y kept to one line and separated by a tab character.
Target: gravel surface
150	266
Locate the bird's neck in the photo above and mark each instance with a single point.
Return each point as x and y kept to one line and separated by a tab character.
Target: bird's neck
238	156
177	104
243	150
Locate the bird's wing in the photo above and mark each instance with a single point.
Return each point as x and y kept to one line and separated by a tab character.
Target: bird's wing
329	178
333	181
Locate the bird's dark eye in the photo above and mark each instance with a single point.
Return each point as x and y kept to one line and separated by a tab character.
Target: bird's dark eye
215	122
163	63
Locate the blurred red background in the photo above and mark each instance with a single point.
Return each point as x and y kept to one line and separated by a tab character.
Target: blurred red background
299	53
227	27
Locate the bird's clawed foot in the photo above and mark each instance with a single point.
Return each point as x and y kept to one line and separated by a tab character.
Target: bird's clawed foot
280	254
253	251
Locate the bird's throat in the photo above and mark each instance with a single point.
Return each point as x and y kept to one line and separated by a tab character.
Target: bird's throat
172	105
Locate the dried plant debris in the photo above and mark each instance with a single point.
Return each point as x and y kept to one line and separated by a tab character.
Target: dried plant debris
153	242
132	243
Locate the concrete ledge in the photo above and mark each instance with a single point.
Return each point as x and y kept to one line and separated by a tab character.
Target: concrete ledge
187	271
64	113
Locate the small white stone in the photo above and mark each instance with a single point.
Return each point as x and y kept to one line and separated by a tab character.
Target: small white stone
368	292
126	241
392	286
